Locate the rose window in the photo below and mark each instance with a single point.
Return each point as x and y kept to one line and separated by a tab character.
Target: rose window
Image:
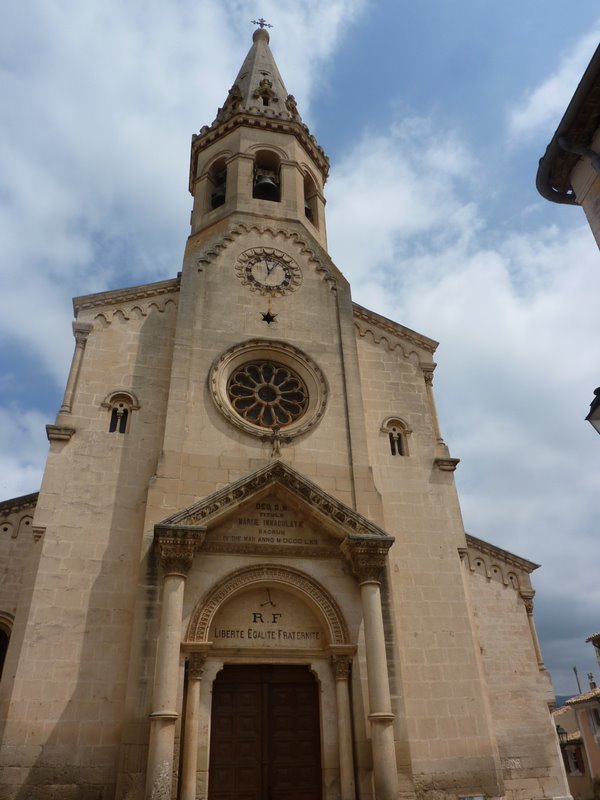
266	393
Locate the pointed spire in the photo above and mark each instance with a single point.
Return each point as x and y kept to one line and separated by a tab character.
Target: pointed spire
259	98
259	87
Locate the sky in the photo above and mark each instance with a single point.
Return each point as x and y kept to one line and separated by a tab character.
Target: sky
434	115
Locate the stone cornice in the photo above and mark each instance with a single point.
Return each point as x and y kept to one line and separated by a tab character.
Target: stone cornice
364	318
116	296
331	511
16	504
213	248
499	553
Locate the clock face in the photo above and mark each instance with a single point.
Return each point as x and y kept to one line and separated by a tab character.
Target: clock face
268	271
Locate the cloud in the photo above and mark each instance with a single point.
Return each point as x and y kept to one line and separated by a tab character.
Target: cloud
541	108
24	449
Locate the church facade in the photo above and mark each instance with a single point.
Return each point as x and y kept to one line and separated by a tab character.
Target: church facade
245	576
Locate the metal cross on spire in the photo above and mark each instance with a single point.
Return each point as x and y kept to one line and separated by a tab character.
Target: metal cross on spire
261	22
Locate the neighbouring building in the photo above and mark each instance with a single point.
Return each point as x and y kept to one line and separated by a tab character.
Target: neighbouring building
246	574
580	718
569	170
577	765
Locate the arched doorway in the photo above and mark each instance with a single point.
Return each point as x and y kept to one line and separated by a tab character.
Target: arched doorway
265	734
264	650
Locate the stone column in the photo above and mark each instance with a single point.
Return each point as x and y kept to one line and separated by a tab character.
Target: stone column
81	331
176	548
527	597
428	376
341	671
368	557
189	765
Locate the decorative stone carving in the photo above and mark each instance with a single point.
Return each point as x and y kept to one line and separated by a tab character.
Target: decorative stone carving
292	106
38	531
341	667
177	548
368	557
446	463
278	353
272	575
528	601
265	92
217	246
110	299
428	373
81	331
196	662
392	334
59	433
276	438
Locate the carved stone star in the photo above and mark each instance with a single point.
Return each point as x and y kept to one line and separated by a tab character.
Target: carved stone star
268	317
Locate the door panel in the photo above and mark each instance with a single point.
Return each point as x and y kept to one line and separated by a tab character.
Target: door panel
265	741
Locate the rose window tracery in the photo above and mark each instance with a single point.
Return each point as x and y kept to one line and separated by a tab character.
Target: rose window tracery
266	393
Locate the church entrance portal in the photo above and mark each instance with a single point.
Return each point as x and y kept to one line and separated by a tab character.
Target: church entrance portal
265	734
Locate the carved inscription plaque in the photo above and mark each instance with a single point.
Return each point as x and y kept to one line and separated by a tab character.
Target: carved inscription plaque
266	617
269	524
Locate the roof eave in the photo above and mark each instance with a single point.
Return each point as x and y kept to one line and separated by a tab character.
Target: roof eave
555	156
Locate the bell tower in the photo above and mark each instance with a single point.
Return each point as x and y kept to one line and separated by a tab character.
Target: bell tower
258	158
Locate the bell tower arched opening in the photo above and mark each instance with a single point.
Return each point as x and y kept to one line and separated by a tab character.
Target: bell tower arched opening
217	184
266	183
310	200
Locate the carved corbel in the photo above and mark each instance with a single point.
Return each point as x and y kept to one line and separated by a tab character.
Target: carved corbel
527	597
368	557
177	548
446	463
59	433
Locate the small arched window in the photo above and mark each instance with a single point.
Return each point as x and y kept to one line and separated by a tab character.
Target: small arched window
397	433
120	406
310	200
217	183
267	177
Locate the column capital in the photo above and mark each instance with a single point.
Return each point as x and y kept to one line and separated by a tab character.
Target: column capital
368	557
341	667
177	546
81	331
527	597
196	662
428	370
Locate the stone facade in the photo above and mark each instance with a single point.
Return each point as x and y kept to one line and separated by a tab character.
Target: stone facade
247	470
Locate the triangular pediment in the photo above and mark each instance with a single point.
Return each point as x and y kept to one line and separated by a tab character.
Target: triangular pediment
288	498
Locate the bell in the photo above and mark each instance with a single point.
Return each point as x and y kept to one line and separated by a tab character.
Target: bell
265	188
217	198
308	211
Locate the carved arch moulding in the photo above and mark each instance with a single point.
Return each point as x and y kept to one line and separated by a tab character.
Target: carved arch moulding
271	575
212	250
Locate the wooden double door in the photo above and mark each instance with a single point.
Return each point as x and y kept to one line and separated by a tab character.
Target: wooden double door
265	734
